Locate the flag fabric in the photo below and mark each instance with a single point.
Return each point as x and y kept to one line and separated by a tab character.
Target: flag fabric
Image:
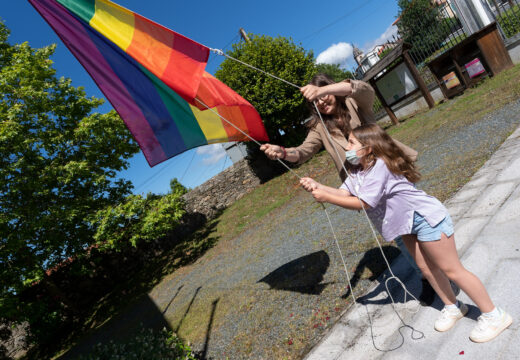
152	76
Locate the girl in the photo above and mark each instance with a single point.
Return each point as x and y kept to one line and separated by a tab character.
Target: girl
381	180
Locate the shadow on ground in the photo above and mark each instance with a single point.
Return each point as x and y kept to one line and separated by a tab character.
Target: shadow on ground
143	314
371	265
303	275
139	317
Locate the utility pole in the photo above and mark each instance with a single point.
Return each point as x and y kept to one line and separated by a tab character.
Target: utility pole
243	34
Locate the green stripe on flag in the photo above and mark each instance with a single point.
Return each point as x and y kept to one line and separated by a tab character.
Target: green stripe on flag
84	9
180	112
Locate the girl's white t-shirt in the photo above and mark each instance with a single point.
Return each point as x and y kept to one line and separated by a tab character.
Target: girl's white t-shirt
393	200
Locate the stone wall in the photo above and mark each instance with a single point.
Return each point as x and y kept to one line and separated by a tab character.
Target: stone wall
13	340
221	190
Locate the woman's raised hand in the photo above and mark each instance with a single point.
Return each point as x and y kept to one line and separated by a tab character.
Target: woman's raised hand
310	92
273	152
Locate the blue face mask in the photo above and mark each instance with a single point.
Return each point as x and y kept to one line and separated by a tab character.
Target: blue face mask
352	157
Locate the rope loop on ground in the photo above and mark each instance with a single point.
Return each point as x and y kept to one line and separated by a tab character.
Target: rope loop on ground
378	244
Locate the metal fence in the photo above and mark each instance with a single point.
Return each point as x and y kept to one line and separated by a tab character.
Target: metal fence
442	35
507	15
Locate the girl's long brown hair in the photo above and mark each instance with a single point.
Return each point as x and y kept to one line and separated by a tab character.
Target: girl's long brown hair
385	148
337	120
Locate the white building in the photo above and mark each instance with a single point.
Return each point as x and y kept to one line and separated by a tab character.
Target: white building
235	150
365	61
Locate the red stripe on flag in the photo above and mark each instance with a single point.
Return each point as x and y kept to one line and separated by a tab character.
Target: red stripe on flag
180	66
254	123
214	93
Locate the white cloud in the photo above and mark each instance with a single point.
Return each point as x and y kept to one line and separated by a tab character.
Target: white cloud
386	36
335	54
211	154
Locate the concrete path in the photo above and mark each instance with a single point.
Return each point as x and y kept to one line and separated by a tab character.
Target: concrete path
486	213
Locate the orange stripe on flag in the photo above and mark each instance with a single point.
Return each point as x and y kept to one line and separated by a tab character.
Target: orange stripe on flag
214	92
151	45
234	115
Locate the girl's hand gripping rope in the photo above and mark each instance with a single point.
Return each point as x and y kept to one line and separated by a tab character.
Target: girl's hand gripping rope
315	188
309	184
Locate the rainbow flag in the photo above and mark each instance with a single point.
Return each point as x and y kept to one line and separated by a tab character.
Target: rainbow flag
152	76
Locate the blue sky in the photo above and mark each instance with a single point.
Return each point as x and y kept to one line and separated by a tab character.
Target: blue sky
325	28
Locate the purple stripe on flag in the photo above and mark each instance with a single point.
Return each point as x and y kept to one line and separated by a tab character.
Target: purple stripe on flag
73	35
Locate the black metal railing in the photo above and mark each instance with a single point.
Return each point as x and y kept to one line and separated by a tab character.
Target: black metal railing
442	36
507	15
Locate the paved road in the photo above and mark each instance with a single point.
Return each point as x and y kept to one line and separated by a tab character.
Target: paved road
486	212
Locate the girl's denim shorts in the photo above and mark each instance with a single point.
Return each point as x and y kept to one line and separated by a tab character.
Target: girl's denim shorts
425	232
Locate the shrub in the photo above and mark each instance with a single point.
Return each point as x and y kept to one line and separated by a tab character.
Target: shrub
147	345
137	219
510	21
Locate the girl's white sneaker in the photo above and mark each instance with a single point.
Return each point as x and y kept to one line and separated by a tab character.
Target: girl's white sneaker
489	328
449	317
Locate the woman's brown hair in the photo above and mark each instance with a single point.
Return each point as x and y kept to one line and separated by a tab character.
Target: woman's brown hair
337	120
385	148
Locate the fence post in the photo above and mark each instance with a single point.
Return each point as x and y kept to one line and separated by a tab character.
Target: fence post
418	79
387	108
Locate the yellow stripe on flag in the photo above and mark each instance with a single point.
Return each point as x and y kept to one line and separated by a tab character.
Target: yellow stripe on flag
114	22
211	125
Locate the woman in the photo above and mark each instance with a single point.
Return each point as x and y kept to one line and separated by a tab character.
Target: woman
343	106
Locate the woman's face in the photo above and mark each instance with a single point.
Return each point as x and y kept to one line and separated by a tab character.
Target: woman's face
326	104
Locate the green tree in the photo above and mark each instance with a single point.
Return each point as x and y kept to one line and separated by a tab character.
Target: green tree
138	219
281	106
177	188
421	25
58	166
334	71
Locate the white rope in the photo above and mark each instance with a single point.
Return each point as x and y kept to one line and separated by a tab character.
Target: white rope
392	277
220	52
360	201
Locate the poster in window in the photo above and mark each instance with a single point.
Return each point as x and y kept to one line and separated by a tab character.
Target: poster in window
474	68
451	80
396	84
